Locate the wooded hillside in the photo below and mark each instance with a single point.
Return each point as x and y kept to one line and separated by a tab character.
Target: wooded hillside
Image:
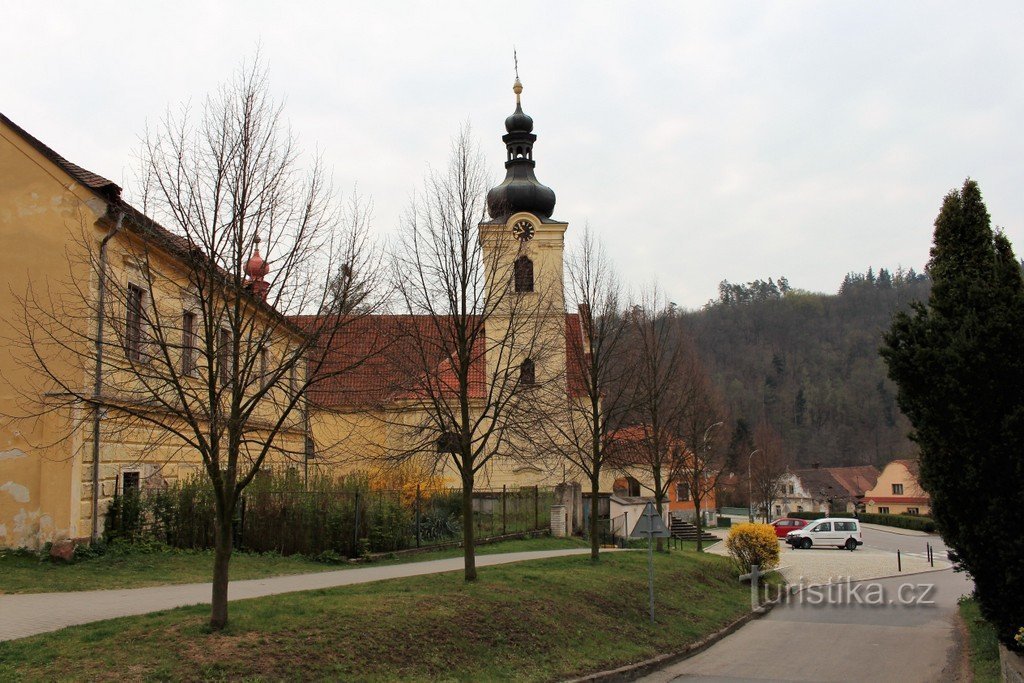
809	365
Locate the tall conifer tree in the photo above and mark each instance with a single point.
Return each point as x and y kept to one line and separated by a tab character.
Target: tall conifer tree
960	371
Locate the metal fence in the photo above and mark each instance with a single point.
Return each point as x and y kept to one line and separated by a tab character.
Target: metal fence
348	523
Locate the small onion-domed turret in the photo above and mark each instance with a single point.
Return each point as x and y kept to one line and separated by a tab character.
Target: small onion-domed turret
256	268
520	191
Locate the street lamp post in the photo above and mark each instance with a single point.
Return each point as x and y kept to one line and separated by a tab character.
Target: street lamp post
750	491
705	447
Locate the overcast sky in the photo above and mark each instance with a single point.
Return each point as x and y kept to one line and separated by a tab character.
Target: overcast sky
702	143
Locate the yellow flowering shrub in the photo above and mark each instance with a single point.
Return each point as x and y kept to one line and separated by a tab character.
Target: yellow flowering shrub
753	544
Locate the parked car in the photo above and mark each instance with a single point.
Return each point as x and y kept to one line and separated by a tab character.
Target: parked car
784	525
829	533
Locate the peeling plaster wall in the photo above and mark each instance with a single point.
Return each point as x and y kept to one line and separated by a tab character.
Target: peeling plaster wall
44	219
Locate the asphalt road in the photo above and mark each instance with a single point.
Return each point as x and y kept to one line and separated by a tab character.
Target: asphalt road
902	629
893	541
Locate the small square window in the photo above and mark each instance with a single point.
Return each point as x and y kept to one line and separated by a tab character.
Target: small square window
130	483
897	489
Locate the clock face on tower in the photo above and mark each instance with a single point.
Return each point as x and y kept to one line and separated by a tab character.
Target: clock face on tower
523	230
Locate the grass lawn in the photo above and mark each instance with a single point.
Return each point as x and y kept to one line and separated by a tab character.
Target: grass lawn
983	647
26	574
540	620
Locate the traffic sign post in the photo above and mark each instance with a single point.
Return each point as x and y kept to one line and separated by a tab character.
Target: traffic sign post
652	526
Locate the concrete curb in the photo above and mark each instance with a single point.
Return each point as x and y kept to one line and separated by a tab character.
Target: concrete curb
631	672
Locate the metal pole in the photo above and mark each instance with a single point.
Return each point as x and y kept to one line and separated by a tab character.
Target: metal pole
750	494
650	569
536	507
417	515
355	530
899	561
504	489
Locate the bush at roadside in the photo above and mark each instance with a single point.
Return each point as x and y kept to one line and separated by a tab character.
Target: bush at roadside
753	544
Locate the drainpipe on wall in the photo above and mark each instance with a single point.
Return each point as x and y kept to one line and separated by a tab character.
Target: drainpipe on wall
97	387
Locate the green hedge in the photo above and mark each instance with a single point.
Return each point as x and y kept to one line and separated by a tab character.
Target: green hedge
916	522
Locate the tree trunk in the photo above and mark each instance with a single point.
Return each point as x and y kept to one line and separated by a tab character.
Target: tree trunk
697	523
469	551
221	559
595	541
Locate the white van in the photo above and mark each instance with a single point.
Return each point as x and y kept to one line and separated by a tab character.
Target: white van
829	533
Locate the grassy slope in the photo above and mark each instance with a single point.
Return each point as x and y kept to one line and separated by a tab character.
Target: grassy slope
983	646
538	620
25	574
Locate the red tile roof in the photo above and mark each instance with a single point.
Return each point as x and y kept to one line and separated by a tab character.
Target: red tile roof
629	446
855	480
377	359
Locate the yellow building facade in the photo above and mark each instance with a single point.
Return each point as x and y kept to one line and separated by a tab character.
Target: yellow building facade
56	218
897	491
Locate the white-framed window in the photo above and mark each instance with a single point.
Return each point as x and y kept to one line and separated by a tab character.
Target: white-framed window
883	510
897	489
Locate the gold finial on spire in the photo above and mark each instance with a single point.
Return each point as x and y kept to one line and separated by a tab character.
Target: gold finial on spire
517	88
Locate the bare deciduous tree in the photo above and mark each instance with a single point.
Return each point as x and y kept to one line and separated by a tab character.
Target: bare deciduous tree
184	331
472	350
584	426
767	467
674	408
699	468
662	393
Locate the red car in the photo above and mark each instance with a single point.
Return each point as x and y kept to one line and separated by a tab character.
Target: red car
784	525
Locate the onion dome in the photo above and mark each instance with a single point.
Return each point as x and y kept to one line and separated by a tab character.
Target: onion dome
256	267
520	191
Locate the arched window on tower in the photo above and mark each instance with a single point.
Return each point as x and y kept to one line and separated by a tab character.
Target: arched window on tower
523	275
527	373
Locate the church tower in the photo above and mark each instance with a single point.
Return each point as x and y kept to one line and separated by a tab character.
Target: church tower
526	246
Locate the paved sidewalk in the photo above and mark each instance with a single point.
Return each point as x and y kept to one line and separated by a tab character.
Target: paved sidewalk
23	615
